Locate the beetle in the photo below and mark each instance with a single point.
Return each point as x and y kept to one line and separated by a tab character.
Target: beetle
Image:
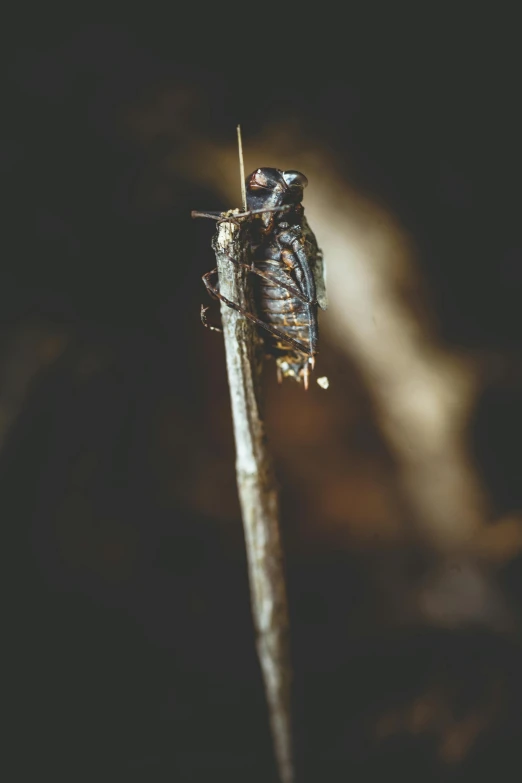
289	270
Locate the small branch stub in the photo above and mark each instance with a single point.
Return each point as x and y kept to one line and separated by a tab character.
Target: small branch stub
257	490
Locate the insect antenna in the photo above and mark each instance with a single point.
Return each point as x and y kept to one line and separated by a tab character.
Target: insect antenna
221	216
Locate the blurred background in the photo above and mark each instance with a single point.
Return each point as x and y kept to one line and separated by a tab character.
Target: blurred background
131	648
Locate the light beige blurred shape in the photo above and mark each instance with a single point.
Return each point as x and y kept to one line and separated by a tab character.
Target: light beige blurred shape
421	392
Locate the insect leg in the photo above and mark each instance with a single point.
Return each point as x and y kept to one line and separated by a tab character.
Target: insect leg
274	280
222	217
213	291
205	322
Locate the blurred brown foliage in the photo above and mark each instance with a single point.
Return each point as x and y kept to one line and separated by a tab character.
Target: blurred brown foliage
132	640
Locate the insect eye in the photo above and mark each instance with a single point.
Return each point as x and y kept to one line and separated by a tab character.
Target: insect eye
295	179
257	180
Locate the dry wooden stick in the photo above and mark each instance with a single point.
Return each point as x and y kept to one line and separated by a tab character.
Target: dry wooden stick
257	490
241	168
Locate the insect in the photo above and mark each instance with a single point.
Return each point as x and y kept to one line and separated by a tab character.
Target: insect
288	267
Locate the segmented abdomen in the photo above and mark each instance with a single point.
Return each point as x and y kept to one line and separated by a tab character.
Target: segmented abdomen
281	309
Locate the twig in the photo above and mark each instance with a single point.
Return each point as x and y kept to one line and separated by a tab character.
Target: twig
241	168
257	492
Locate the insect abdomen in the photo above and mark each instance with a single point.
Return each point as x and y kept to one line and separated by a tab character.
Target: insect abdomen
279	308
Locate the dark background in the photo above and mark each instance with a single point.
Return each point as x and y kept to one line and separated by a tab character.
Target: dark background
132	646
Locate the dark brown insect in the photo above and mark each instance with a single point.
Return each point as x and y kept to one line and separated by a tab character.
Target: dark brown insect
288	268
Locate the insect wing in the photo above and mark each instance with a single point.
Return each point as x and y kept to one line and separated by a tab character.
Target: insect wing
319	273
317	265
